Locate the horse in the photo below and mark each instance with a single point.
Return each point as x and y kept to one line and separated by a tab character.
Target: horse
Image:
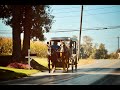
65	55
52	56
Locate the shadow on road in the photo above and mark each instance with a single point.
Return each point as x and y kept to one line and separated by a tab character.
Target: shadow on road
99	69
109	79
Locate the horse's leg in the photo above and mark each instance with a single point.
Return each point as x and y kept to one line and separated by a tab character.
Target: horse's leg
63	62
48	58
53	67
49	65
67	62
63	66
54	63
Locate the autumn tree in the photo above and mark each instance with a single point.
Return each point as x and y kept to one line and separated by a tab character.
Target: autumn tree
32	20
37	21
101	52
10	14
87	45
94	51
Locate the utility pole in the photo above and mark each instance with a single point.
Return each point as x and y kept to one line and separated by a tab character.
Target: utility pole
80	34
118	42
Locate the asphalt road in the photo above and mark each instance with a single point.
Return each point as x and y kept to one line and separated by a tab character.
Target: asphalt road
102	72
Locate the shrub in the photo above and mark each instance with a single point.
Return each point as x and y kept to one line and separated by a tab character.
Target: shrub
113	55
19	65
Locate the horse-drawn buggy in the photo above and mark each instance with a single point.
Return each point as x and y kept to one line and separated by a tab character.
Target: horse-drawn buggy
62	52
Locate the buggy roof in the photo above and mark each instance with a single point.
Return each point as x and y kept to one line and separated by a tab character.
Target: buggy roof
63	38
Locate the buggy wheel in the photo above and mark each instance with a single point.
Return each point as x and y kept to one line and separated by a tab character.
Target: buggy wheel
75	64
75	67
72	64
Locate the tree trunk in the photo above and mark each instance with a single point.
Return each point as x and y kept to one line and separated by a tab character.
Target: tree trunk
16	34
27	28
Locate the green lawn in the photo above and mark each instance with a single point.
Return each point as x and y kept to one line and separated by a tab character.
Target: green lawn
12	73
27	72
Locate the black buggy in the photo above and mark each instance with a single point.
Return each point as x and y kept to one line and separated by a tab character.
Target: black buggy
64	59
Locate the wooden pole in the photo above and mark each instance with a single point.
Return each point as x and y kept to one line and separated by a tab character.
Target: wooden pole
80	34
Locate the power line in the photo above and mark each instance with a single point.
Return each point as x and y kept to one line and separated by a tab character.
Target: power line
101	8
71	30
103	13
87	29
89	14
86	10
95	28
5	30
67	8
5	33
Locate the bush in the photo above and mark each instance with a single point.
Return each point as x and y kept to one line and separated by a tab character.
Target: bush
19	65
5	46
39	48
113	55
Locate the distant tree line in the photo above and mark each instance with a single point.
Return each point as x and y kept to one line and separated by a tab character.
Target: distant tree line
95	51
